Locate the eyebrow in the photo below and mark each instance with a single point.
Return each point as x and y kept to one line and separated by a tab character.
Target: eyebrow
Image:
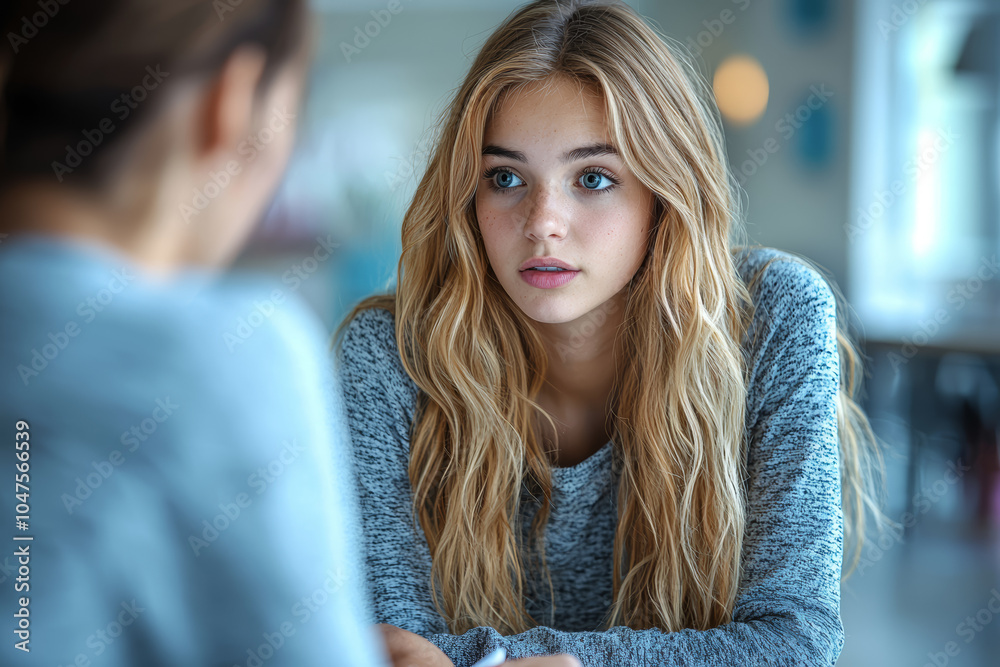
581	153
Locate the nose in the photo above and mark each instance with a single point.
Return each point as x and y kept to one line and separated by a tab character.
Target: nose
547	216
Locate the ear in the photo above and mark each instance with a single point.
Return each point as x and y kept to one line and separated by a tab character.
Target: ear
227	108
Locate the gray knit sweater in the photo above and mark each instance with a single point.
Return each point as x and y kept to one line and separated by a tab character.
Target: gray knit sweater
787	610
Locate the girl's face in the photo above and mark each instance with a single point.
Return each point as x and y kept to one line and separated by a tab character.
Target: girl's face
555	192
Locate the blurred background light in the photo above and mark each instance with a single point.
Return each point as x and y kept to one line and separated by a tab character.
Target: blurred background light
741	89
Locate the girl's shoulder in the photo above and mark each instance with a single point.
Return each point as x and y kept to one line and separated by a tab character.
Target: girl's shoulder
369	334
792	337
785	286
367	350
370	325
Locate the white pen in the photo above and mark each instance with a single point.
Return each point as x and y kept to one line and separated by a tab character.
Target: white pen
493	659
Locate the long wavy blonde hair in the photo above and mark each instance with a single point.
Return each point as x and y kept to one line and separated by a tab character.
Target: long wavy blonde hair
678	419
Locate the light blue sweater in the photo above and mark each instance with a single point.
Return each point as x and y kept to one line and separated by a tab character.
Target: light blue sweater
188	497
788	607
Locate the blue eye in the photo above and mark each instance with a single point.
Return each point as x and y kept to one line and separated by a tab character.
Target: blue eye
504	180
593	180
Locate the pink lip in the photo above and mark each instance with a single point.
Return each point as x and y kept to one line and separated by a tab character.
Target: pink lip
547	279
546	261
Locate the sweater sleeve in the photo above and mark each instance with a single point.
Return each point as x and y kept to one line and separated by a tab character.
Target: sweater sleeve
787	610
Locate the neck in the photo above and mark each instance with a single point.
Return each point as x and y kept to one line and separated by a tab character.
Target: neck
582	356
73	214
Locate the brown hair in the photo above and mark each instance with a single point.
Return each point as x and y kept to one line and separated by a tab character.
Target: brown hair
70	69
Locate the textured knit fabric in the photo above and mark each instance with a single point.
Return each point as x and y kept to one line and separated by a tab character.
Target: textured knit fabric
787	611
187	466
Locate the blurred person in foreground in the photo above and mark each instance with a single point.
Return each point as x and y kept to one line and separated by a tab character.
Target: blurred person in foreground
181	477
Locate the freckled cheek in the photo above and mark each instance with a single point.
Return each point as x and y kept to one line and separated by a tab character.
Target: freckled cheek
489	225
615	236
607	229
496	236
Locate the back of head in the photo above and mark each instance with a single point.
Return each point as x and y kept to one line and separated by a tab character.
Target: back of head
79	78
